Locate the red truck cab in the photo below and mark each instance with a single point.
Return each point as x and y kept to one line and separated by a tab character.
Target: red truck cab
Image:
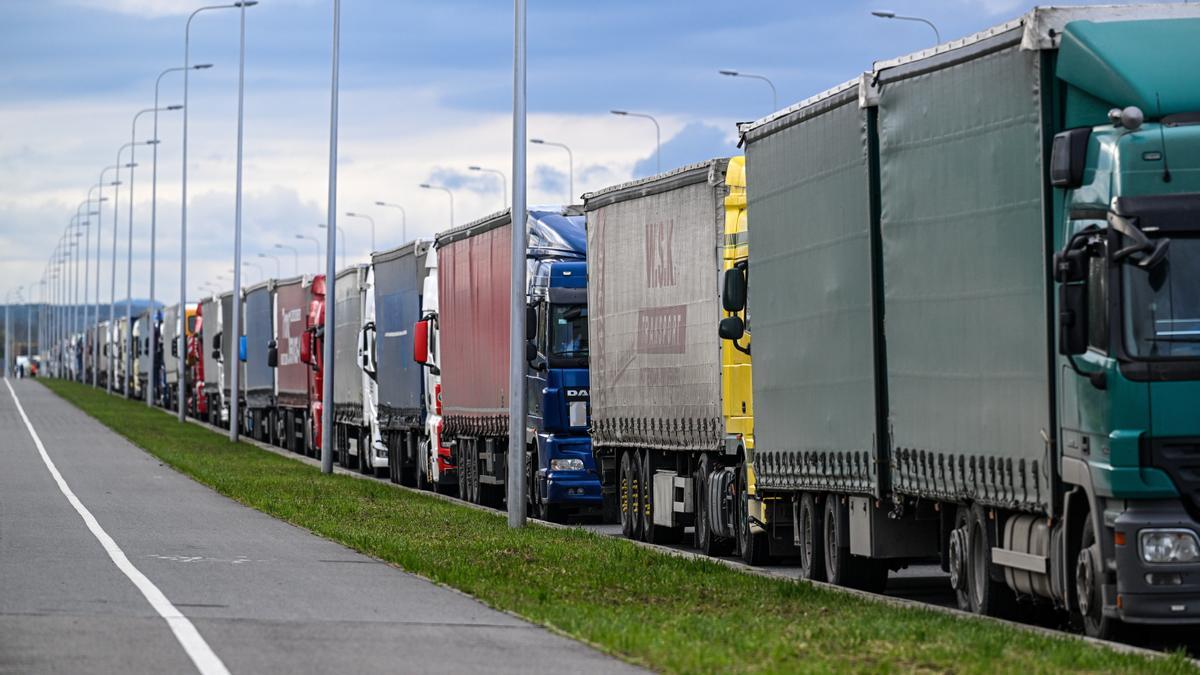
195	364
312	352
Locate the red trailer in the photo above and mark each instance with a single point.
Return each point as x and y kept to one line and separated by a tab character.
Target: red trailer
291	306
473	285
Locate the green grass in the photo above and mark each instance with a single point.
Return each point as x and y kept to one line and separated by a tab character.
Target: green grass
660	611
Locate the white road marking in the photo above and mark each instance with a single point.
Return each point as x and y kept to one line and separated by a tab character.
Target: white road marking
206	660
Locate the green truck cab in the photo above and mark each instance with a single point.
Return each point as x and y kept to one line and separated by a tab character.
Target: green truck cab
1126	173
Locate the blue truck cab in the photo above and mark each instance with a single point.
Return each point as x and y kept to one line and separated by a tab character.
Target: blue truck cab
563	475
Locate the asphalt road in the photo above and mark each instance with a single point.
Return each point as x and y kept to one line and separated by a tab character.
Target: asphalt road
261	595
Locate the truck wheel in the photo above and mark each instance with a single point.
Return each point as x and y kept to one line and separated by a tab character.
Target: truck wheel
752	546
1089	596
988	597
423	479
289	432
960	558
812	544
654	534
706	541
627	496
838	567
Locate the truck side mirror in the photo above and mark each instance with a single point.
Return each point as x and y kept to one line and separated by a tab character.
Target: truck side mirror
731	328
216	342
733	296
242	348
1068	156
174	349
306	347
273	354
421	342
366	348
1072	319
530	323
531	352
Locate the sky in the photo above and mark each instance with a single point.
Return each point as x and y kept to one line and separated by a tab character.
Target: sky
426	92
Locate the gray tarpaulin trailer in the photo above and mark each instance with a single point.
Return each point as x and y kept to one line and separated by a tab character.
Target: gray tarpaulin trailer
170	341
210	329
259	383
353	435
229	346
397	278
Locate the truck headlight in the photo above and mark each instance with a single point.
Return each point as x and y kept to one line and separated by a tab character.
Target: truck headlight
1169	546
566	465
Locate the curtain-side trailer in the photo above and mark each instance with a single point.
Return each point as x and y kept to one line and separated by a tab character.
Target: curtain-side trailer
973	272
290	299
672	413
393	399
259	382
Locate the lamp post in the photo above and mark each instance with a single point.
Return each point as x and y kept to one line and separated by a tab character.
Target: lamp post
774	94
351	214
276	259
8	333
262	274
295	257
187	39
657	135
503	180
317	242
113	290
154	220
450	194
235	371
331	242
888	14
403	219
129	249
570	165
99	223
517	365
342	234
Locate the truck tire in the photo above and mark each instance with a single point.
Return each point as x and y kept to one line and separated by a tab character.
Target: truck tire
1089	596
708	543
812	543
289	431
423	479
960	558
627	495
988	597
752	547
842	568
654	534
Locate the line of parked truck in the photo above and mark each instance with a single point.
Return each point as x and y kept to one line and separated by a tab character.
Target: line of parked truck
976	320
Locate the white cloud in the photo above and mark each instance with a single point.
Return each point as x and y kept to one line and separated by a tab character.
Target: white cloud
391	140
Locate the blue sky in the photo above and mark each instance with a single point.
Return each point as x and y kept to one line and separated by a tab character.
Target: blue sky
426	92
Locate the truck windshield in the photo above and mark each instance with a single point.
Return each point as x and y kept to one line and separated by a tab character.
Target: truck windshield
1162	317
568	331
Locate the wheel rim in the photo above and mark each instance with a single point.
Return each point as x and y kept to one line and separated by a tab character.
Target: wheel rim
1085	583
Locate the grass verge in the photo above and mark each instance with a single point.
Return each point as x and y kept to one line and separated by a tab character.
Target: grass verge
663	612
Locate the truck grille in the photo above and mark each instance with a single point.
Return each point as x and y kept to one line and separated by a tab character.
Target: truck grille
1180	458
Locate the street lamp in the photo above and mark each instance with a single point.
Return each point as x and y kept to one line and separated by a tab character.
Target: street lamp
187	41
888	14
318	243
342	234
99	223
154	217
352	214
450	194
129	250
278	274
657	134
403	219
774	94
112	297
503	180
262	274
295	256
570	165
